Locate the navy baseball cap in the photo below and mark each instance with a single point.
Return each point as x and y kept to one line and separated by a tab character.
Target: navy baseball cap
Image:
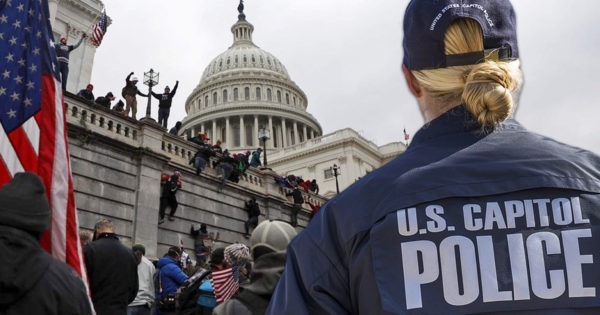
425	23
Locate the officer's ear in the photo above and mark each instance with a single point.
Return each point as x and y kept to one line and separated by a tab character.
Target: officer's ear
412	82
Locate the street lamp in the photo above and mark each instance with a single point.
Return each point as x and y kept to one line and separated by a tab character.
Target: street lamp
150	79
336	171
264	134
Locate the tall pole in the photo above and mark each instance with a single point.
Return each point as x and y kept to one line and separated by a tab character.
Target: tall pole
149	99
265	151
335	173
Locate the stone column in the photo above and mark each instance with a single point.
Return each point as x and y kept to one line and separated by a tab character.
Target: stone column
213	136
228	139
271	131
202	128
296	136
53	7
283	133
255	140
242	132
312	133
304	132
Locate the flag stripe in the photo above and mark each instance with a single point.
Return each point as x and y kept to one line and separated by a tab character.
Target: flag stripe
24	149
33	133
9	156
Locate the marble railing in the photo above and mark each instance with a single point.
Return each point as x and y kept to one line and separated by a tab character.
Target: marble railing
148	135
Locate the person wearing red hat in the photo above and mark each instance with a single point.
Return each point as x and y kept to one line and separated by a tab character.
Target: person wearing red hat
62	53
87	93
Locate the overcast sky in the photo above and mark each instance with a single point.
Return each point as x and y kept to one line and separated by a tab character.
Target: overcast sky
346	56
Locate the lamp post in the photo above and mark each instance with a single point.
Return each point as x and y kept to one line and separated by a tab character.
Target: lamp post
264	134
336	171
150	79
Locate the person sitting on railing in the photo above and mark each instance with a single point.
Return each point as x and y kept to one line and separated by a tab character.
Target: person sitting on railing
119	107
304	184
105	100
314	187
255	160
87	92
217	147
175	130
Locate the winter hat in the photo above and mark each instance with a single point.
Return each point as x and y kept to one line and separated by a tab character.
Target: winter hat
23	204
271	236
217	256
139	247
236	254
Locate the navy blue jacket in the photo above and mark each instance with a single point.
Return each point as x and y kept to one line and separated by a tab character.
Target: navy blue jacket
460	223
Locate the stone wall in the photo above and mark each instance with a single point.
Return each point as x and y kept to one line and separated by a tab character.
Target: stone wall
117	162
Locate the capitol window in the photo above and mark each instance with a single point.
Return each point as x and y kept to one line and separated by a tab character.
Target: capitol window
258	94
269	95
287	98
246	93
253	59
206	101
328	173
245	59
279	96
225	99
215	98
236	95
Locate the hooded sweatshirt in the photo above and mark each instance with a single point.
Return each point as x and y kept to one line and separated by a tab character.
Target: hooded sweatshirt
32	282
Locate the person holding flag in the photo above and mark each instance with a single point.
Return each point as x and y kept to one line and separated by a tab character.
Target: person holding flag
33	135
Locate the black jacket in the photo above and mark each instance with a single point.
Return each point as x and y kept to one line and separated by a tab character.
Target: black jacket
297	195
164	99
32	282
112	273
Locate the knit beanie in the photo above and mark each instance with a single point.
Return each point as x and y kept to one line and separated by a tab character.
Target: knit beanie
236	254
139	247
24	205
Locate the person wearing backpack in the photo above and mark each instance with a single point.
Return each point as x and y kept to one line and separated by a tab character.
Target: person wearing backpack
268	244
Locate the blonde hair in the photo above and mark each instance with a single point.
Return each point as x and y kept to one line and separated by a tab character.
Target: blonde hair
486	89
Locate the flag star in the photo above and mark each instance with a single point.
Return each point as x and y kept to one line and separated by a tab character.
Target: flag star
2	91
9	2
18	79
13	40
14	96
21	62
12	113
36	51
3	18
24	45
52	44
30	12
9	57
17	24
1	35
20	7
27	28
30	85
38	34
33	68
6	74
27	101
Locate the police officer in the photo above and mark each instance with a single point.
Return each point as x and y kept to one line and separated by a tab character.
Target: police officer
478	215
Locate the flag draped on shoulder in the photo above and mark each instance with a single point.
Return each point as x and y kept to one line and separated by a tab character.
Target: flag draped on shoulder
99	30
33	135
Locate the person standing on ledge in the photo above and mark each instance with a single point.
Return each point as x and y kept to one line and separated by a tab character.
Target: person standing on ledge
62	53
129	92
478	215
164	104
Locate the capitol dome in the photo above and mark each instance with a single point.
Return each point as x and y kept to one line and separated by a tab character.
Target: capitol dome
246	89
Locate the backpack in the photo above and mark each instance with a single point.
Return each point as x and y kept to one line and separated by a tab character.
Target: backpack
188	293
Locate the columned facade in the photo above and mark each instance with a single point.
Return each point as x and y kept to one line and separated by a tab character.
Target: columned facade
243	90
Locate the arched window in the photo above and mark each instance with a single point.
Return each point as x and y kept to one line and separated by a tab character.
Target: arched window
246	93
228	60
225	99
215	98
258	94
245	59
279	96
253	59
294	99
287	98
269	95
236	95
236	59
205	100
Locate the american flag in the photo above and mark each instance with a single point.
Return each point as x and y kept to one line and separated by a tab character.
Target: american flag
406	135
33	135
224	284
99	30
